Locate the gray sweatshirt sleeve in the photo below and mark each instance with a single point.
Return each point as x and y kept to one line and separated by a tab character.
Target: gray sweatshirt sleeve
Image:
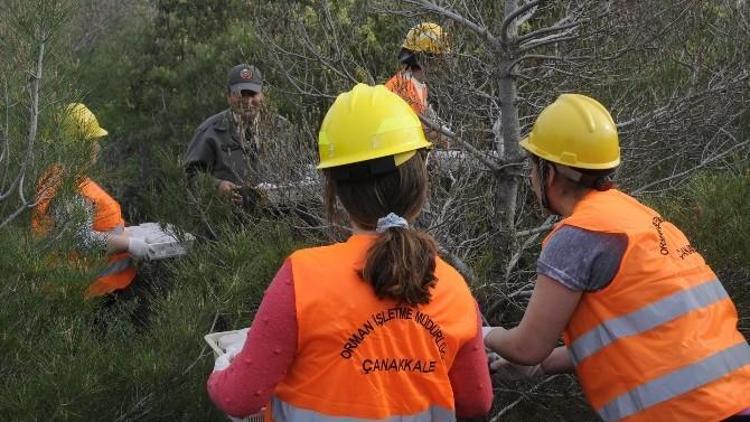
582	260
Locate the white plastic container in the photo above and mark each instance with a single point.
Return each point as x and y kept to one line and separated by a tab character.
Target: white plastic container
164	241
214	341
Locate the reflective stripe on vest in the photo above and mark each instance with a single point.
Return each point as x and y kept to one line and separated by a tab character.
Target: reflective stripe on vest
658	313
116	267
283	411
676	383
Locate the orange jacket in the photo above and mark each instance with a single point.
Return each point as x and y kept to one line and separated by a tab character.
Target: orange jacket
404	84
119	272
362	357
661	341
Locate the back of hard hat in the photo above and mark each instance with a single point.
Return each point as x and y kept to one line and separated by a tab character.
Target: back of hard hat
79	122
369	122
576	131
427	37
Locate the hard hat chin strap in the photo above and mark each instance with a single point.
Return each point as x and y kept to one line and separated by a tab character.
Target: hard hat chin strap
600	182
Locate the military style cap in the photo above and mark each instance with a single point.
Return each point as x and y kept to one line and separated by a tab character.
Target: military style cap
244	76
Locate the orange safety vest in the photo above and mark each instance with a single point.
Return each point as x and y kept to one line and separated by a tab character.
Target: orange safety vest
362	357
119	272
408	88
661	341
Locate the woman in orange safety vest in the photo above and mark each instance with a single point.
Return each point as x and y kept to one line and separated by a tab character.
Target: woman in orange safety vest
647	325
377	327
423	41
105	225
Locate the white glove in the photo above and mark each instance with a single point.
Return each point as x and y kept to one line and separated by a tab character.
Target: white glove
138	248
508	371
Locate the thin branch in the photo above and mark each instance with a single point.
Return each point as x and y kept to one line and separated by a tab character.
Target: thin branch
692	169
551	40
33	124
543	228
473	26
517	256
17	212
469	148
544	31
549	37
5	154
531	56
458	263
526	16
510	18
523	396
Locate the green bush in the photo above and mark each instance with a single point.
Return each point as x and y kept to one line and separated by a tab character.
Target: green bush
60	363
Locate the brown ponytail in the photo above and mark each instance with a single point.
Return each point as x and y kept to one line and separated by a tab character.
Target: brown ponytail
400	264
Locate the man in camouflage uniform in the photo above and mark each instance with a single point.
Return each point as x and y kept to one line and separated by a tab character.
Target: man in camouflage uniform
226	144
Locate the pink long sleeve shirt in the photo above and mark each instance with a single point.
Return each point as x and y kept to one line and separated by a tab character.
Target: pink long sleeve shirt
248	383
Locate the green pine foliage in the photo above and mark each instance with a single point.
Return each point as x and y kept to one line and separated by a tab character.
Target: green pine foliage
69	359
154	93
157	71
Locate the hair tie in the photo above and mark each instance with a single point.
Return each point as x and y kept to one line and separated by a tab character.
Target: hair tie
391	220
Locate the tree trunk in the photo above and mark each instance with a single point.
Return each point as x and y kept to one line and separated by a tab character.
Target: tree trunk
507	147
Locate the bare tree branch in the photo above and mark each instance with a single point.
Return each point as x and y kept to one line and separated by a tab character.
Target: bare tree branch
512	16
567	28
479	30
552	39
481	156
692	169
34	88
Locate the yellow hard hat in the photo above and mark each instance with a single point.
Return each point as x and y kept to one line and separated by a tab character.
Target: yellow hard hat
369	122
80	123
575	131
427	37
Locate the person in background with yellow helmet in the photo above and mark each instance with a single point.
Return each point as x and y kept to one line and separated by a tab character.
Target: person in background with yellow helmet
423	42
647	325
377	327
105	226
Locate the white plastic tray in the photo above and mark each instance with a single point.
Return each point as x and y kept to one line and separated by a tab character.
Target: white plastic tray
289	193
164	241
213	340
